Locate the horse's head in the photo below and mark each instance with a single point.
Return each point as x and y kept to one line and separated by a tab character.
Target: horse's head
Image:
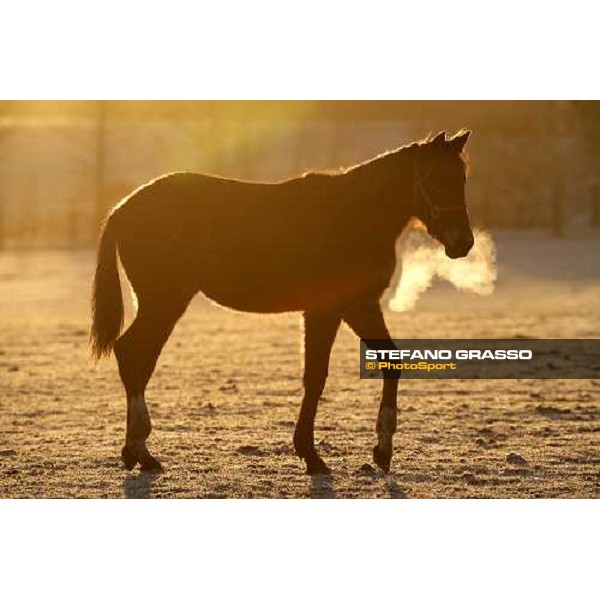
439	192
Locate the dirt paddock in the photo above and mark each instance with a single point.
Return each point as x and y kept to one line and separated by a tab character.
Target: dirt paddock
226	393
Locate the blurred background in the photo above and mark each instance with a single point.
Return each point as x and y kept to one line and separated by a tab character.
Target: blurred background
63	164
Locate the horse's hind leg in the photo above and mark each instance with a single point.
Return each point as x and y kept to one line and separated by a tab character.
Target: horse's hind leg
367	322
137	351
319	334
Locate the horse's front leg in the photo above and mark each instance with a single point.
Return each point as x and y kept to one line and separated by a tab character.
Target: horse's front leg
386	424
366	319
319	334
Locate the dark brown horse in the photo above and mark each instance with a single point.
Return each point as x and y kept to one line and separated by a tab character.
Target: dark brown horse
323	244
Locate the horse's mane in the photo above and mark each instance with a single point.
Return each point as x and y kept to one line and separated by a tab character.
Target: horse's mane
425	141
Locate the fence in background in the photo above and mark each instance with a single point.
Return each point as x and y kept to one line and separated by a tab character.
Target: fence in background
59	176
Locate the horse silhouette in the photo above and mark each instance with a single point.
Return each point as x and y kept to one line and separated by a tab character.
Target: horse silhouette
322	243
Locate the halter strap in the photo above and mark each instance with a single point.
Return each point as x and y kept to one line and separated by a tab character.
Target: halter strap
434	209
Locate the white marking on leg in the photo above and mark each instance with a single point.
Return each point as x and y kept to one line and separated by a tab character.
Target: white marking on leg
386	427
140	425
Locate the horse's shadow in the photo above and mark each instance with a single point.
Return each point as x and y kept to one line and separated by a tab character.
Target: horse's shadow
393	489
139	485
321	486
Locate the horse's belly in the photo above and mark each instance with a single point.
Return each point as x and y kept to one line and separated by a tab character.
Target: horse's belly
255	304
252	296
272	293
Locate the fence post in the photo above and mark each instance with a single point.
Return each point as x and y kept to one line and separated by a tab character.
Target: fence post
215	138
486	206
73	221
557	211
100	163
245	151
595	199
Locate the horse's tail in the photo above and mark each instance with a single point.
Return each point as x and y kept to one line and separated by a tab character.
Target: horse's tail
107	302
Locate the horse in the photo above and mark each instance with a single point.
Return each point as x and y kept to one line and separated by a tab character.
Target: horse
322	244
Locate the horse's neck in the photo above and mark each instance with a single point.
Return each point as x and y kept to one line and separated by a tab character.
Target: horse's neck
386	183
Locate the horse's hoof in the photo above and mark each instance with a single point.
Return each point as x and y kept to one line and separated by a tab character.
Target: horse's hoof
382	459
130	457
149	463
316	466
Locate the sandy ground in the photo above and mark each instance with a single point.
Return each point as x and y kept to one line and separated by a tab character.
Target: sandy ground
226	393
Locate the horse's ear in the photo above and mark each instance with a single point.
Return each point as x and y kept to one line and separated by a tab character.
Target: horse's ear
457	143
439	140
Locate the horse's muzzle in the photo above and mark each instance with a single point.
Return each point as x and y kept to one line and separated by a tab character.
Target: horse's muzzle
460	248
